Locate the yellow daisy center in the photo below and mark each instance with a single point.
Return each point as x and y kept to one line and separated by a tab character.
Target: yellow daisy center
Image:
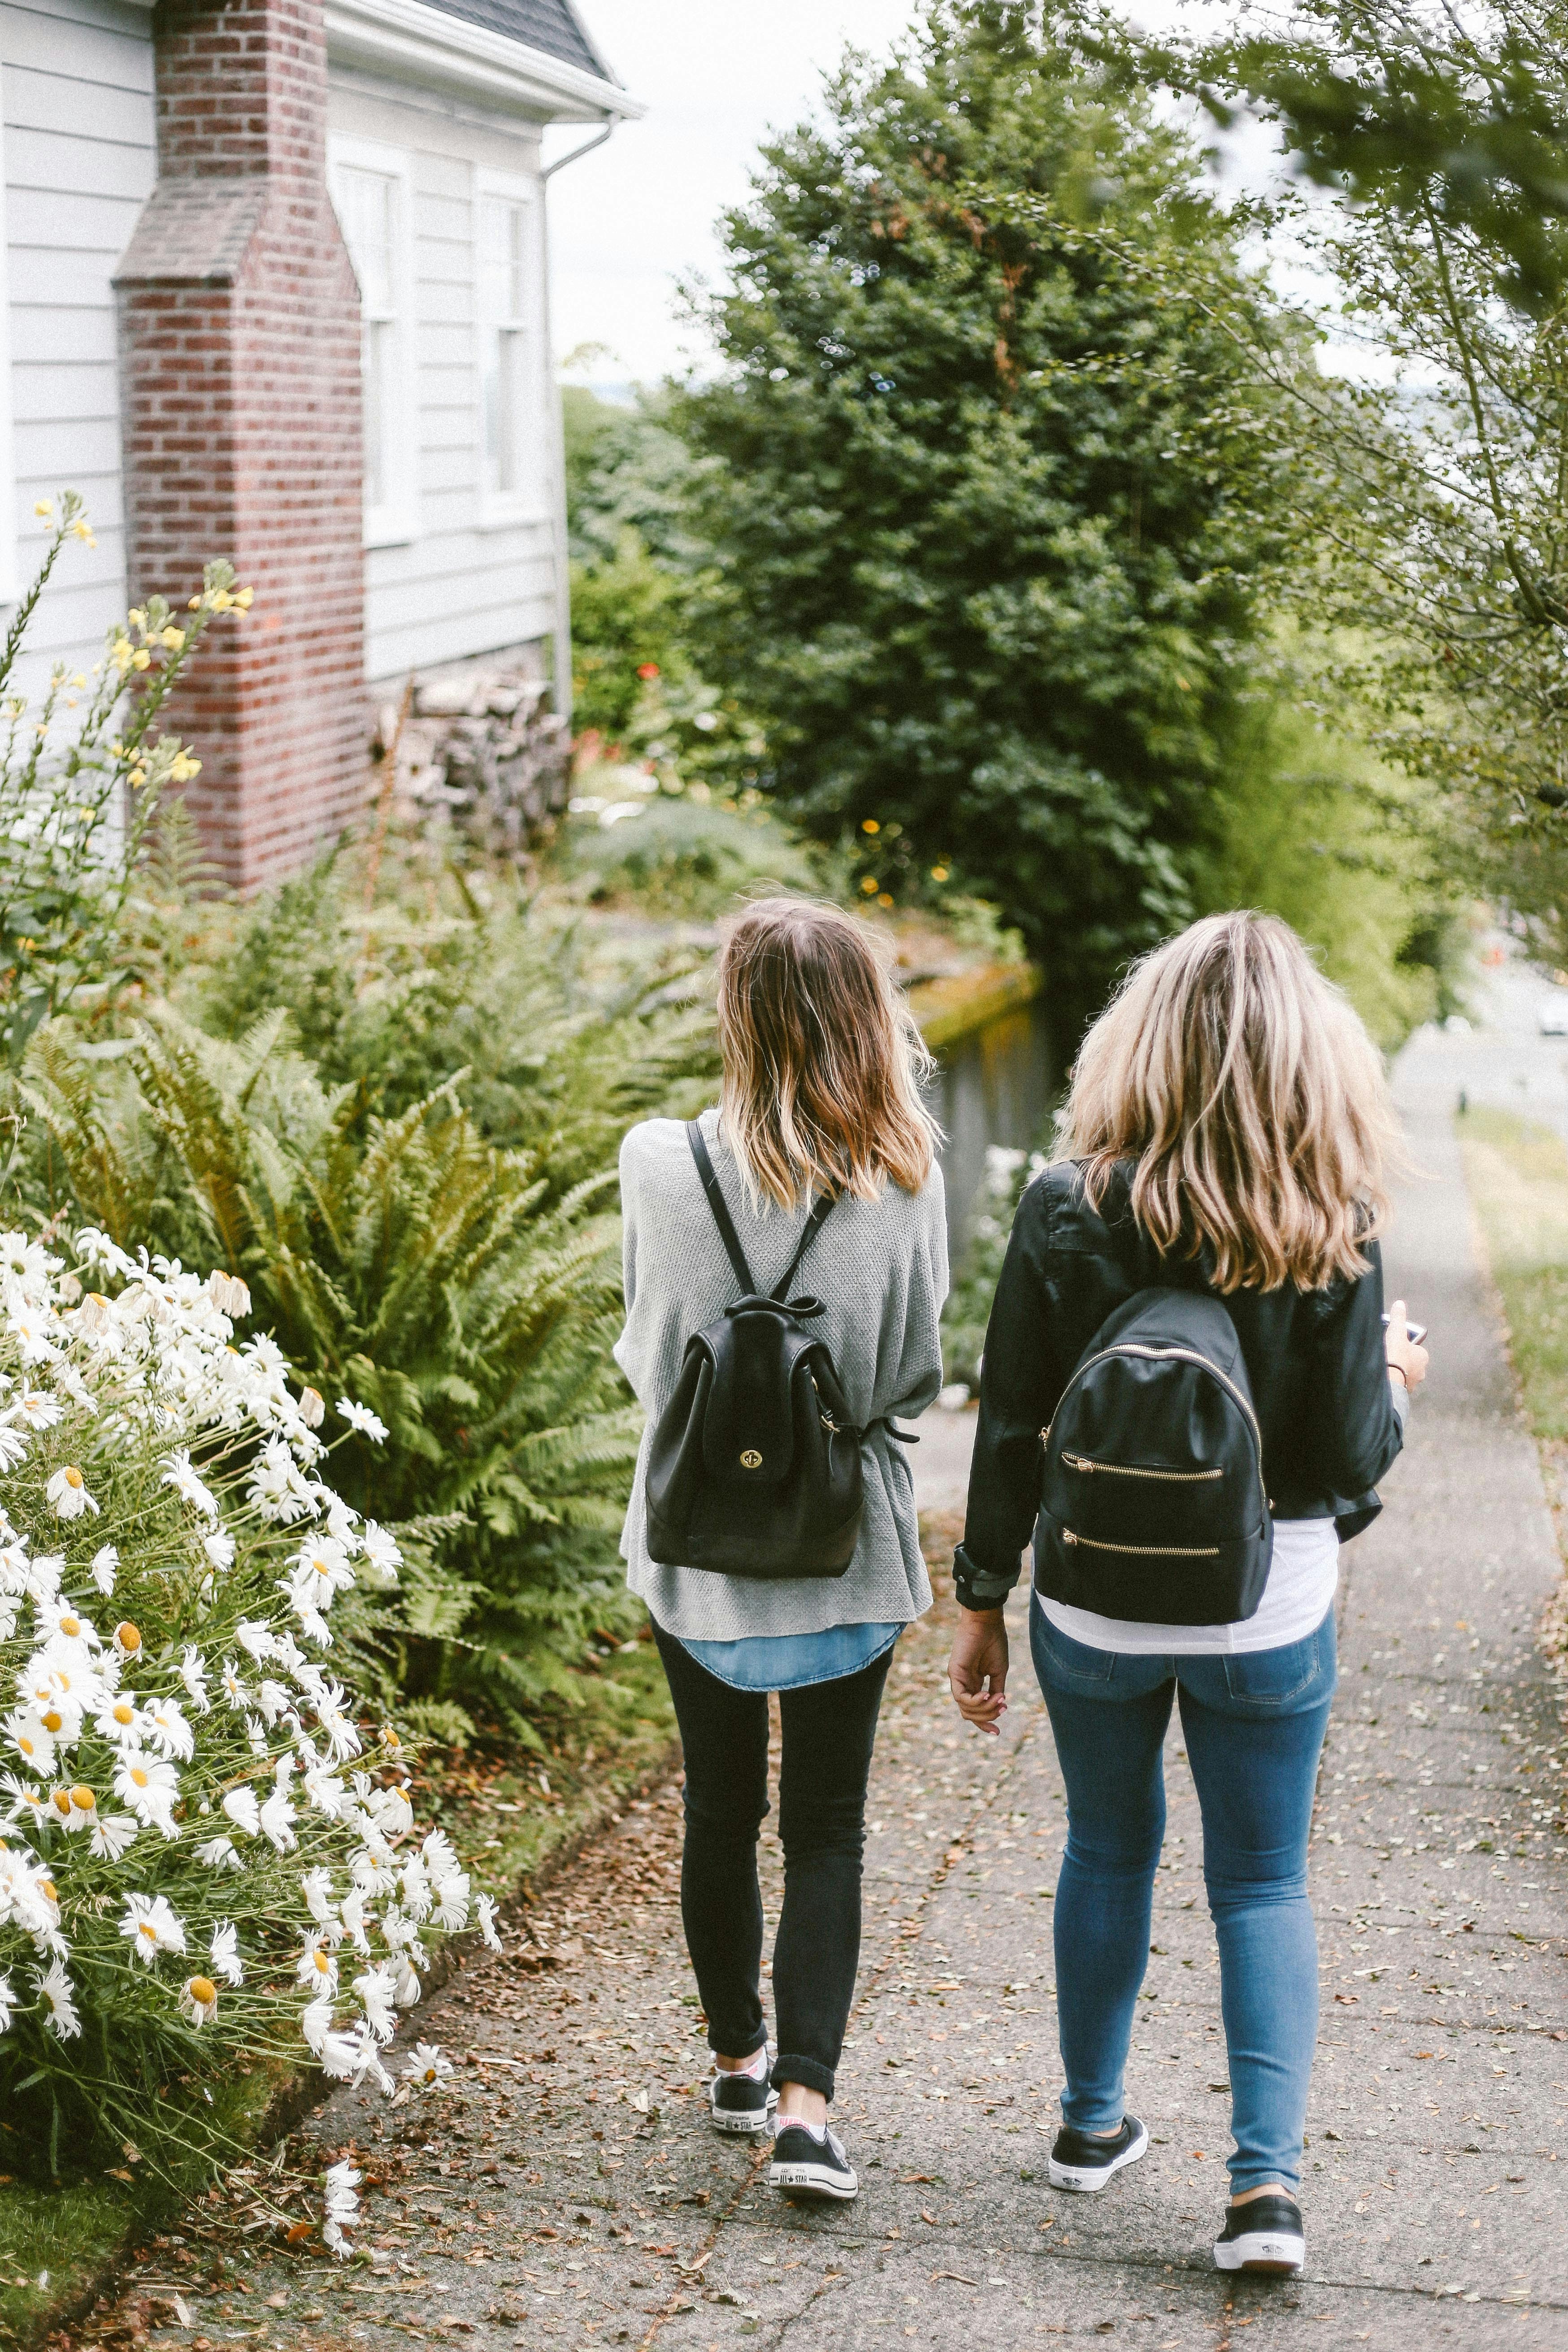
128	1637
53	1720
139	1777
144	1928
124	1712
70	1627
202	1991
322	1963
83	1799
73	1476
47	1886
62	1800
24	1743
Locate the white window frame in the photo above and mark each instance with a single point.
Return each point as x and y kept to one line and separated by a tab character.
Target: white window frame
393	521
529	499
10	520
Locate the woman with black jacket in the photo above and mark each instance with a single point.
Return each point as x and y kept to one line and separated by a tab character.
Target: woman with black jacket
1226	1127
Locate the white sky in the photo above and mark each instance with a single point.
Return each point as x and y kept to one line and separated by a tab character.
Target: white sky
639	212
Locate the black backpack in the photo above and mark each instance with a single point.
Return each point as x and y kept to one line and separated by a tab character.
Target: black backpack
755	1469
1152	1504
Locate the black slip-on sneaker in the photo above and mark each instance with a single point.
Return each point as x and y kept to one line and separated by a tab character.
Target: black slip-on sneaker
810	2166
741	2103
1264	2234
1079	2161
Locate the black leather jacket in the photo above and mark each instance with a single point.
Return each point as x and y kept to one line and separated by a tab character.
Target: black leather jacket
1315	1359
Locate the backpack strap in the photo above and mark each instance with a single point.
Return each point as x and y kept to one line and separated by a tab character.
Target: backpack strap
721	1218
814	1225
731	1238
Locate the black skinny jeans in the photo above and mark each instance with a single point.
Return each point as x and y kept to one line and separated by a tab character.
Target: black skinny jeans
828	1731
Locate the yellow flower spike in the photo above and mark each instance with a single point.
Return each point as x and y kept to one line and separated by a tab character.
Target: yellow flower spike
122	653
221	600
244	598
137	777
195	605
142	659
45	509
137	617
174	638
81	529
79	678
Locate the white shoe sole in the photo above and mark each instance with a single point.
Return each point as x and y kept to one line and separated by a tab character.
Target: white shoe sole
814	2180
1264	2249
1086	2178
750	2125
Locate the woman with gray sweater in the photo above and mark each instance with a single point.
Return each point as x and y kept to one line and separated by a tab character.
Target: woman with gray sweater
820	1097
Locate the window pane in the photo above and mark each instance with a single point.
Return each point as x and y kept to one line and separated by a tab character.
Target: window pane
370	228
502	260
378	355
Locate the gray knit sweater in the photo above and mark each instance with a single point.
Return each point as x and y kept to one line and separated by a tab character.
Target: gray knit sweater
880	1268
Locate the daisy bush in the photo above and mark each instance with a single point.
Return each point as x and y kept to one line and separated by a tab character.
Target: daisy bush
207	1859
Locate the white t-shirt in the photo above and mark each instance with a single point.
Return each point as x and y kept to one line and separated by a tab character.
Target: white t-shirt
1303	1577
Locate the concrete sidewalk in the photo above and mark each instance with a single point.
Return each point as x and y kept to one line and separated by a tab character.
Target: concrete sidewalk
566	2191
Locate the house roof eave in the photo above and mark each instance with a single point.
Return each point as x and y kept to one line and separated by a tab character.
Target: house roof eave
409	40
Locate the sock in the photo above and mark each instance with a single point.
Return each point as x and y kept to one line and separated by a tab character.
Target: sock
755	2069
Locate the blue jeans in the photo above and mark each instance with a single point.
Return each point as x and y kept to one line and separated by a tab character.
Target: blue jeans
1254	1724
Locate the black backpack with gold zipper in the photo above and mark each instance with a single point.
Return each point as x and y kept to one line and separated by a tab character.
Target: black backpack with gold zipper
1153	1506
754	1467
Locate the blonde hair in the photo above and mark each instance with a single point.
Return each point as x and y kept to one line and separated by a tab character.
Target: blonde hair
1253	1101
822	1057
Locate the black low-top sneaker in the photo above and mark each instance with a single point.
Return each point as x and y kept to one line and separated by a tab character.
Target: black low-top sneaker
810	2166
1264	2234
742	2102
1078	2160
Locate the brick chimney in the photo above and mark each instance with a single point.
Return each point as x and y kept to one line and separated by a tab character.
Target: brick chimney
239	341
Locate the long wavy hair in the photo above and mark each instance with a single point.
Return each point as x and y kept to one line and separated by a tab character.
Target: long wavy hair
1252	1102
822	1057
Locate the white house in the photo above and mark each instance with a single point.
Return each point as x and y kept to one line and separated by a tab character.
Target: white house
182	344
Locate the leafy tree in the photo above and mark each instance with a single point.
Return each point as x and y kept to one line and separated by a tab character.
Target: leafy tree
990	519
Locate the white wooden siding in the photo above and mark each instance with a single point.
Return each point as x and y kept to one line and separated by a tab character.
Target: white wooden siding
457	587
76	84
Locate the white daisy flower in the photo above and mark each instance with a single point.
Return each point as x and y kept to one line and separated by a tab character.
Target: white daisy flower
316	2023
439	1857
244	1810
35	1409
66	1491
485	1905
234	1689
111	1833
219	1853
198	2000
148	1786
277	1814
12	1446
359	1417
105	1561
367	2062
427	2064
194	1675
118	1720
451	1910
377	1993
316	1886
29	1803
228	1294
311	1408
219	1548
168	1730
7	2003
316	1966
255	1638
391	1813
225	1950
408	1978
351	1913
152	1927
56	1992
25	1730
342	2206
178	1474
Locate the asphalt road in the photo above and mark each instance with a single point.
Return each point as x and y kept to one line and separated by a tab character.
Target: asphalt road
565	2192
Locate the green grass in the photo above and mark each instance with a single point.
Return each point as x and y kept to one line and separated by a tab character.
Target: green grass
1518	1178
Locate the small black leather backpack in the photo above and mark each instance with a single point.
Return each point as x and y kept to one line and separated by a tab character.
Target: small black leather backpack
755	1469
1153	1506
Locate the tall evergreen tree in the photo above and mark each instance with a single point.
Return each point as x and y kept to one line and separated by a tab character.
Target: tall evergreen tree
990	516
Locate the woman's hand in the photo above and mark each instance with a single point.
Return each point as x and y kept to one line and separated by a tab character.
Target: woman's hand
977	1669
1406	1359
